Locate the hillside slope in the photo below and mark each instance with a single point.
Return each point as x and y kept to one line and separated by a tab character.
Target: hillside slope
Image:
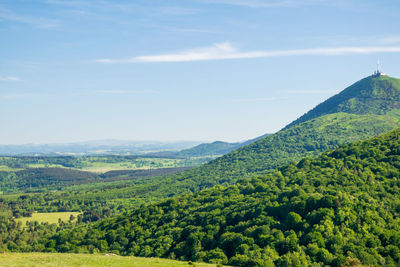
365	109
376	94
339	208
308	138
325	129
217	148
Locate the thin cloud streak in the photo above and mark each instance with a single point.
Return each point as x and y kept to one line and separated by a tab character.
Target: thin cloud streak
257	99
12	96
125	92
9	79
33	21
254	3
310	92
223	51
275	3
390	40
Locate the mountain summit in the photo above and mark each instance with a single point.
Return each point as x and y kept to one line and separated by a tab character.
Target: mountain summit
365	109
376	94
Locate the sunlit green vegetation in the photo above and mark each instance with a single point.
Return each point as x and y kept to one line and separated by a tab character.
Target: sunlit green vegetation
333	209
98	164
277	201
49	217
71	260
339	208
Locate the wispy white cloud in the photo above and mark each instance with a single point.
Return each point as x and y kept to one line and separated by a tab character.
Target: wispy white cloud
188	30
275	3
9	96
176	10
389	40
309	92
257	99
9	79
221	51
254	3
70	3
40	22
125	92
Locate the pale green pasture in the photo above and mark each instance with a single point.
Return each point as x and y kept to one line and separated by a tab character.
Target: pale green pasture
87	260
50	217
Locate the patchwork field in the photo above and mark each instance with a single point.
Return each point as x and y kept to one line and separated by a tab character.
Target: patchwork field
49	217
98	164
87	260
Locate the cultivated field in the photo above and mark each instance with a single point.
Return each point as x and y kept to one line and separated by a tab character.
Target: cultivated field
49	217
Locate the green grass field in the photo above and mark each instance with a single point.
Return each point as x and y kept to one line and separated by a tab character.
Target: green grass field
70	260
97	164
51	217
141	163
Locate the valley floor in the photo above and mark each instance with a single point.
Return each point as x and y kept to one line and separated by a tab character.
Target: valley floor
87	260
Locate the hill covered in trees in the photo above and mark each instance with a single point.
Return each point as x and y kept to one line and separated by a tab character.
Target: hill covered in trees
217	148
339	208
367	108
325	129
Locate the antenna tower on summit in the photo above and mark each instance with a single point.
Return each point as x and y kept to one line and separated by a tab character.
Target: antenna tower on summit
377	67
378	71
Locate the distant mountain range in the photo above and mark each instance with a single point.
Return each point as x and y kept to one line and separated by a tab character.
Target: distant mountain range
182	149
101	147
217	148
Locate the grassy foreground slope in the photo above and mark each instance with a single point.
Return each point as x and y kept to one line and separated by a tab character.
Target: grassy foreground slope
71	260
342	207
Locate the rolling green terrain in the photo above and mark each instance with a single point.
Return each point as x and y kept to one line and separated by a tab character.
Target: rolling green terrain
50	179
71	260
97	164
367	108
340	208
303	138
33	173
333	127
217	148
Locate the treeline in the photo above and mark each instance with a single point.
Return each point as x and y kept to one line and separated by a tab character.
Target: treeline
46	179
341	208
309	138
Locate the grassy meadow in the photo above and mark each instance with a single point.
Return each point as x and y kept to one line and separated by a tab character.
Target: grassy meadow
49	217
91	163
70	260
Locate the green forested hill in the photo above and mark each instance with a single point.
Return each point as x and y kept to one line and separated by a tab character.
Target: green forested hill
367	108
342	207
308	138
216	148
376	94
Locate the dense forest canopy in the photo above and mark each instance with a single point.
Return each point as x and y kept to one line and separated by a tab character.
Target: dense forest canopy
280	200
339	208
367	108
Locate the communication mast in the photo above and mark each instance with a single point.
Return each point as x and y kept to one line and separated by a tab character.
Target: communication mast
378	71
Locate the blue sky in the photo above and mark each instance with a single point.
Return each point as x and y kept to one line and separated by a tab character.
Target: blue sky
181	69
